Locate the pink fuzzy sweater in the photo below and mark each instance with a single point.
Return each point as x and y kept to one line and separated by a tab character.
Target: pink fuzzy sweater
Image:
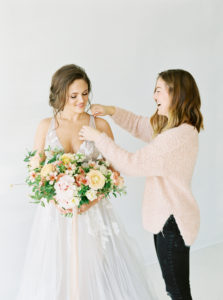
167	162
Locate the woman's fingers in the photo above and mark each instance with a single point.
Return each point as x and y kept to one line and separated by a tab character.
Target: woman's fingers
88	133
97	110
83	208
64	211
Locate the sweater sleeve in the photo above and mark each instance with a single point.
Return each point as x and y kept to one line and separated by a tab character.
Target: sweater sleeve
138	126
161	157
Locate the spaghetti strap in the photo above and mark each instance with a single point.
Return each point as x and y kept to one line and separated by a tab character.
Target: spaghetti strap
51	125
92	121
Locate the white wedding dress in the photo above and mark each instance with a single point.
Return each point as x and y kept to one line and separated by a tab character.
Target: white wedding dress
96	249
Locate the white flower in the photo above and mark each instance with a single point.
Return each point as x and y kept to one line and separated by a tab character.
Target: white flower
75	191
65	192
51	177
79	157
91	163
107	163
76	200
69	172
91	194
85	165
103	170
34	162
32	176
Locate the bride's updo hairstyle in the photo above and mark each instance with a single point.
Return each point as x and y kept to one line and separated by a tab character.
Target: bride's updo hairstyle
185	102
60	83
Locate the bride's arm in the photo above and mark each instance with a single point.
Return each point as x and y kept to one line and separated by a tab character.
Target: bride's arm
103	126
39	141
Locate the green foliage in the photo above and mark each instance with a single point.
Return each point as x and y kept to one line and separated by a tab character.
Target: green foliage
29	155
62	168
83	190
41	187
69	215
84	200
86	170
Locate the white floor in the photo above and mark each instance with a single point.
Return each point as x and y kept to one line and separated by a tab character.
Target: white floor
206	269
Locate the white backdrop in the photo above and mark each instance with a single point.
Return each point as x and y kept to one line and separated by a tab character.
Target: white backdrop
122	44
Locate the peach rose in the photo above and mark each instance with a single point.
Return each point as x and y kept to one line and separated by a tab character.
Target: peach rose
47	169
80	179
34	162
96	179
115	177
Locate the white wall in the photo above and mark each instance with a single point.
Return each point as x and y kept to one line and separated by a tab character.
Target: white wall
122	44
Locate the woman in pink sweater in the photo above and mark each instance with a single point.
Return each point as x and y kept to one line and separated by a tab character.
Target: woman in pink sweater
167	161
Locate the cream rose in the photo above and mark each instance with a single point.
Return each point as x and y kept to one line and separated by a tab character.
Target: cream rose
34	162
47	169
103	170
91	194
67	158
96	179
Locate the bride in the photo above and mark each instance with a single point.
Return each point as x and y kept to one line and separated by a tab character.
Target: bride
92	259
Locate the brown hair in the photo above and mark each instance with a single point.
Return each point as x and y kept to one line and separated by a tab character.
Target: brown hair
185	102
60	83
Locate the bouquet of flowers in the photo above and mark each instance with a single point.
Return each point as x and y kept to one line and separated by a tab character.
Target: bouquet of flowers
70	180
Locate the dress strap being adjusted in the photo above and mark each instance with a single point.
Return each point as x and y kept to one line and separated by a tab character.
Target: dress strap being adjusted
92	121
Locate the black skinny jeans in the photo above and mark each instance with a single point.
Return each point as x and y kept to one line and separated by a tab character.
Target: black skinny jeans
173	257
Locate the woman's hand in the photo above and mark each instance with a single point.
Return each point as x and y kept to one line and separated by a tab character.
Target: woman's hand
85	207
88	133
102	110
62	210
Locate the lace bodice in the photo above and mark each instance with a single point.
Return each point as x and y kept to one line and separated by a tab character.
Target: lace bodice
87	147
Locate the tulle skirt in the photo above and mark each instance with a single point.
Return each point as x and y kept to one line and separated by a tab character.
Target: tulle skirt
109	264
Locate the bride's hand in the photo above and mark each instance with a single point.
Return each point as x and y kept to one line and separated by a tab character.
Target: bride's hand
61	210
102	110
64	211
88	133
85	207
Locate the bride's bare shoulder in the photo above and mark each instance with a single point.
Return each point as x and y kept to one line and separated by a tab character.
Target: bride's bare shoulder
41	132
103	126
44	124
101	123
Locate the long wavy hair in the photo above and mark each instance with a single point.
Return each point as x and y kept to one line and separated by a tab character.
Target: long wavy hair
185	102
60	83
